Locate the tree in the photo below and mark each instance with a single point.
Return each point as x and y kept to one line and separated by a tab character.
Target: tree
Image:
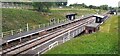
84	5
42	6
90	6
104	7
79	5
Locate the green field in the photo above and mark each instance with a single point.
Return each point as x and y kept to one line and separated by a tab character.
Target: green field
105	41
18	18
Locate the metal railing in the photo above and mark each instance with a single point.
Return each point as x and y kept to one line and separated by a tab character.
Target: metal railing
29	28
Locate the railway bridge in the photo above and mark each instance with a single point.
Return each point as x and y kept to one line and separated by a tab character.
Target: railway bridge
41	40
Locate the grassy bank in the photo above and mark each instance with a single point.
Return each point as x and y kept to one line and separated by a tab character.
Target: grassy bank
105	41
18	18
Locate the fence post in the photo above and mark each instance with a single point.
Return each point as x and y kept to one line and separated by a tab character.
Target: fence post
2	35
50	46
20	30
58	20
73	34
39	26
57	43
33	27
38	53
69	35
63	20
27	27
43	25
63	40
11	32
54	21
82	15
48	24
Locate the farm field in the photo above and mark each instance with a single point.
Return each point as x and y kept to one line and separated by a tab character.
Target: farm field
105	41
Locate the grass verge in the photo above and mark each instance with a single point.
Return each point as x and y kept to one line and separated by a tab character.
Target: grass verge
104	41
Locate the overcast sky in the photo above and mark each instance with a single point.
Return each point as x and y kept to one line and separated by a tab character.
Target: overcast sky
113	3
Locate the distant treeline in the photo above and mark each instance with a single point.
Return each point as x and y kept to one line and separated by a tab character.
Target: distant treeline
44	6
103	7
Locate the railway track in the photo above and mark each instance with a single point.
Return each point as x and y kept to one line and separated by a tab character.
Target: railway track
16	42
48	34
